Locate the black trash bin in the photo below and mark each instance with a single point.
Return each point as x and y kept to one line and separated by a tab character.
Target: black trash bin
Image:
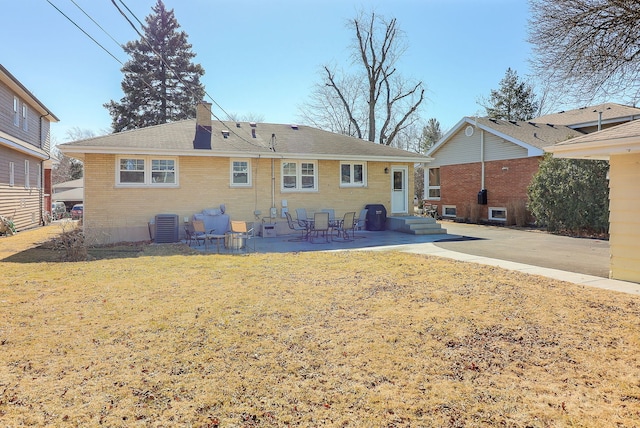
376	216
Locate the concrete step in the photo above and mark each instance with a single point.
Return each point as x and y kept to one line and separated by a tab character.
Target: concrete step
415	225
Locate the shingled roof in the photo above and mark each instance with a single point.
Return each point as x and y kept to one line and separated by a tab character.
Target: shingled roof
588	116
532	136
230	139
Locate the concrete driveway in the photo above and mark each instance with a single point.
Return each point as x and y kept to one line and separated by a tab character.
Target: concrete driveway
537	248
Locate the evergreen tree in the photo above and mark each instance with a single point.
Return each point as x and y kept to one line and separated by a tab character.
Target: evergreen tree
571	195
161	84
430	134
514	100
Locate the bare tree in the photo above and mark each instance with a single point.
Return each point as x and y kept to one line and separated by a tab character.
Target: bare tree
67	168
588	48
376	104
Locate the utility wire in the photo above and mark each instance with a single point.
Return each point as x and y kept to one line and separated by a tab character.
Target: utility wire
87	34
95	22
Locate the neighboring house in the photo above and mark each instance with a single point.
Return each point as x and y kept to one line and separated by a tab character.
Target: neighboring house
70	192
184	167
619	145
482	167
25	169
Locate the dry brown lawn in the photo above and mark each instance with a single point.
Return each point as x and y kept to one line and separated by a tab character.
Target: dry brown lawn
361	339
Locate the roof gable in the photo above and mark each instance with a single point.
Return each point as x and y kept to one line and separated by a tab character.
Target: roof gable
528	135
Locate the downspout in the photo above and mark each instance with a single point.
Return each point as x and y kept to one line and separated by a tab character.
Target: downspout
42	177
482	158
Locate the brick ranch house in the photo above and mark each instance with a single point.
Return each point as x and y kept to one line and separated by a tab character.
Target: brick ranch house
482	167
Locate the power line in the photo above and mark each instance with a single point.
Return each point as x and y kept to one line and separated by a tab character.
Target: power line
95	22
86	34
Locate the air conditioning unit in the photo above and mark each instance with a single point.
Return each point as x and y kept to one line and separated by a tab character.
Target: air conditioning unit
166	228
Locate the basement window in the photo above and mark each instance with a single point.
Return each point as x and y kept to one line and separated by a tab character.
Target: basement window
449	211
498	214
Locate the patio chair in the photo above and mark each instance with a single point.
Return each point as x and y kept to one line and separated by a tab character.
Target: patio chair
198	233
321	225
190	236
240	235
296	227
362	219
347	224
332	215
302	215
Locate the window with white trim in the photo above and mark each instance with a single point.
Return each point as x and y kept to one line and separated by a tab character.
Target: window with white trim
163	171
449	211
353	174
146	171
240	173
299	176
12	174
433	184
25	117
16	111
497	213
26	174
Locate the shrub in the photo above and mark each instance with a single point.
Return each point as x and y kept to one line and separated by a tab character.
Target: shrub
570	195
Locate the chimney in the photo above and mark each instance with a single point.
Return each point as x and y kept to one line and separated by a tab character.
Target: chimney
202	140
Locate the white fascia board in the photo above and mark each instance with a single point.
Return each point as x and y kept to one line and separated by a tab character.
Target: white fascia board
596	150
80	150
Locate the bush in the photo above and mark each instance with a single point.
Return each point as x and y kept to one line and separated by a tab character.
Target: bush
571	195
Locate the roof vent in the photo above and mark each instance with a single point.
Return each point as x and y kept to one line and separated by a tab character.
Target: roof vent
252	124
550	124
532	124
513	122
225	133
493	120
295	127
237	124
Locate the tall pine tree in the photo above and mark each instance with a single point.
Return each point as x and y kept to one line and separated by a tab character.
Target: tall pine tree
515	100
161	84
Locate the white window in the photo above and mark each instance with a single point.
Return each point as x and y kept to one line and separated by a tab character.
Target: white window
299	176
16	111
433	184
449	211
26	174
25	116
353	174
497	213
240	173
146	171
163	171
12	174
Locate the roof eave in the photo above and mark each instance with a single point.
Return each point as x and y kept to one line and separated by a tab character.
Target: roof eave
80	151
597	150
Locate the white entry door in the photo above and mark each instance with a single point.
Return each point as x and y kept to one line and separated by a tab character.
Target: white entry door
399	191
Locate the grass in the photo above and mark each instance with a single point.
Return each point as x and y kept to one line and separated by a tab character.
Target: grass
311	339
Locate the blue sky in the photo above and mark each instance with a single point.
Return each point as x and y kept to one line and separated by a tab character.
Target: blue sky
263	57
